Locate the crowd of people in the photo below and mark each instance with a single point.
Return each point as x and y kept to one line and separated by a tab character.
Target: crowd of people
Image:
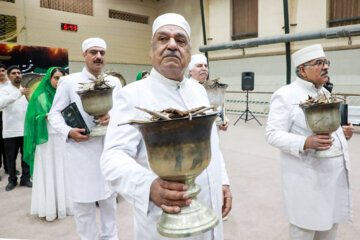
72	171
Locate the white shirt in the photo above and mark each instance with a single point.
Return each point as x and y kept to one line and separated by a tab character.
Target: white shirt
124	162
316	191
14	105
194	80
82	163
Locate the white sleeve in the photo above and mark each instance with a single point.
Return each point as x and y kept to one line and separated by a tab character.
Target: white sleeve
61	101
119	163
6	98
278	127
217	152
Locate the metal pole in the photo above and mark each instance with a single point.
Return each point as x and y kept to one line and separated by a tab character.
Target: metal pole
335	32
25	27
203	26
287	44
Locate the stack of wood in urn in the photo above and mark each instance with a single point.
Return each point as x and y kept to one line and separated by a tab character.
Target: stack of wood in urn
214	84
321	98
98	84
171	113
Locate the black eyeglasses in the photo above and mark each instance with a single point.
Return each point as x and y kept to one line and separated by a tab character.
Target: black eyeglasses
319	63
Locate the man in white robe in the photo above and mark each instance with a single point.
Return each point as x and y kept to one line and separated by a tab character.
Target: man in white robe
316	191
13	104
124	162
199	72
83	152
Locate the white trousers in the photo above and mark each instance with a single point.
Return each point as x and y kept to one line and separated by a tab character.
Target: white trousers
85	218
297	233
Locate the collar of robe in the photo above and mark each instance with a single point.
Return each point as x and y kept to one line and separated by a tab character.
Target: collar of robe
88	74
156	76
308	85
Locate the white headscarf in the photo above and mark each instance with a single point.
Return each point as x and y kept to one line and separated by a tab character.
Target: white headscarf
93	42
307	54
171	19
196	59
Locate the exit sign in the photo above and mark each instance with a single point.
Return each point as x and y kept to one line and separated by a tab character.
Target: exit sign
69	27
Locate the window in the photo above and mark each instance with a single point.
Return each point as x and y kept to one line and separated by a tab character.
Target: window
130	17
245	19
74	6
12	1
344	12
8	28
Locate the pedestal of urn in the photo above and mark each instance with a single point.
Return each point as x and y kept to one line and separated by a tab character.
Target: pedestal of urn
324	119
97	103
179	150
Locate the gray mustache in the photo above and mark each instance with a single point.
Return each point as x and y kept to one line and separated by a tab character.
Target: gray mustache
203	72
323	72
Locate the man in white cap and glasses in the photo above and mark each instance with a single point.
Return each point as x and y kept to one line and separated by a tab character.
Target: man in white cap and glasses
83	152
124	162
316	191
199	72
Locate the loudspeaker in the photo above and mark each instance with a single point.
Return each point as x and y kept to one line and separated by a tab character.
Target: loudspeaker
247	83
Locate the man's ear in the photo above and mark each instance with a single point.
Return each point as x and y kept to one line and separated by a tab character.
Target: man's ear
302	71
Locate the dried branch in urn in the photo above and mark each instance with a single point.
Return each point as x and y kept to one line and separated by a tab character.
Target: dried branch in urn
97	84
214	84
171	113
321	98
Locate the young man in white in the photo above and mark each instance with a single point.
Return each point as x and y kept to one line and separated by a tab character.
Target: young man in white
13	104
82	164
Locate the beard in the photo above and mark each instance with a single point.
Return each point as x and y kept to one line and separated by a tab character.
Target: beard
17	80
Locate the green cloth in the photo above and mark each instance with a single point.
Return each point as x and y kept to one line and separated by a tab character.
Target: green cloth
138	77
35	129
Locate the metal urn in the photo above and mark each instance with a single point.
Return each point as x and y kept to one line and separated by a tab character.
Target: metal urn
97	103
31	80
216	96
179	150
324	119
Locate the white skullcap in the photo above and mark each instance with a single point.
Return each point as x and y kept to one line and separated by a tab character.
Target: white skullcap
171	19
196	59
307	54
93	42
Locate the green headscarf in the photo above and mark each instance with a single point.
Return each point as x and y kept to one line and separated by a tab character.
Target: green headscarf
35	130
139	77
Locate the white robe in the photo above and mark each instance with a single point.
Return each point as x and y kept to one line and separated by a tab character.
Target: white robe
316	191
124	161
82	160
13	105
51	186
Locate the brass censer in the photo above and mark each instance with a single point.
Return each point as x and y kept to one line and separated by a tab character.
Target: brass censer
96	98
179	150
324	119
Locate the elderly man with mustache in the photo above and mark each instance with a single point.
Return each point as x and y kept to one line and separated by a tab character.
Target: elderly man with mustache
199	72
316	191
198	68
83	152
124	162
13	104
